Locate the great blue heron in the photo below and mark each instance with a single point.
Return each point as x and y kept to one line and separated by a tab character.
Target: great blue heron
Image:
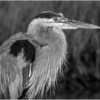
33	59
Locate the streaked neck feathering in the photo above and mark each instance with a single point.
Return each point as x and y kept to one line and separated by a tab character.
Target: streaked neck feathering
49	60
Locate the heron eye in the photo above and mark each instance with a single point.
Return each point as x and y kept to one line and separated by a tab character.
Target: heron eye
55	18
49	28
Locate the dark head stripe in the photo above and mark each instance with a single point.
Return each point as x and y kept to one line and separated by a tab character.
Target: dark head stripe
47	14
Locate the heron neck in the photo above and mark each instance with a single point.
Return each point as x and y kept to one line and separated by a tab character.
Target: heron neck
48	62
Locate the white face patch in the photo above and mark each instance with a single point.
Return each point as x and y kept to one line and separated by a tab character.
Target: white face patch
43	21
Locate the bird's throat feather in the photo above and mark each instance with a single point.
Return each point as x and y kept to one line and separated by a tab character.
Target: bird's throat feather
48	62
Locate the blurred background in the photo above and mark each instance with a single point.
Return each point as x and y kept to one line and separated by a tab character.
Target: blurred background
81	79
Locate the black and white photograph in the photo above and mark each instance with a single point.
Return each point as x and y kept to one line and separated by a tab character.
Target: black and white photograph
49	49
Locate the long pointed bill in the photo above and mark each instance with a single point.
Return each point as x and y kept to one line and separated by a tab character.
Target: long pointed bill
72	24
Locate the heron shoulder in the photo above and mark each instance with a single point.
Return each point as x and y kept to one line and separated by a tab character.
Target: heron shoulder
16	55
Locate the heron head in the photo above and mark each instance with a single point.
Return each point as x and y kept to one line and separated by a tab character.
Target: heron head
46	29
47	26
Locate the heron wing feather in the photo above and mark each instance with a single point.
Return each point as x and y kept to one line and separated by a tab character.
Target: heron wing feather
17	54
8	74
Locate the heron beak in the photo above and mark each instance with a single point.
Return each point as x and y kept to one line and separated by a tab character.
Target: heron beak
64	23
